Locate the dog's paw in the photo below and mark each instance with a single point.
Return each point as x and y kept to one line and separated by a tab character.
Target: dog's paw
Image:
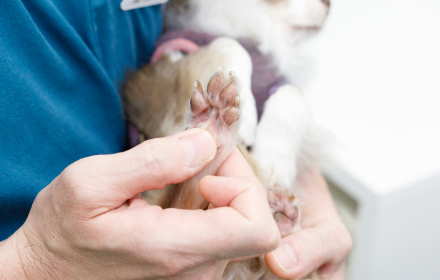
285	211
217	109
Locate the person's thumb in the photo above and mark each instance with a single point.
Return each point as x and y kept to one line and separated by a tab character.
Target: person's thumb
151	165
298	255
308	250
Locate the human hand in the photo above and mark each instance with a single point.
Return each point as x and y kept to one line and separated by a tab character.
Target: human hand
91	223
321	245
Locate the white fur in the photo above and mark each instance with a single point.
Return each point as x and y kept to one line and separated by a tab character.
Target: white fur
282	137
175	56
276	26
240	62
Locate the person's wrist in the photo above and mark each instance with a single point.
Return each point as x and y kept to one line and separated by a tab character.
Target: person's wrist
22	257
12	260
9	260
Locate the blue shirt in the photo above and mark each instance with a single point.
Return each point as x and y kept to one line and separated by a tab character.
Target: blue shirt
61	65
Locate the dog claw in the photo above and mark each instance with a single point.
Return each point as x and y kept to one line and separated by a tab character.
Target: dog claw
237	101
198	86
232	76
292	197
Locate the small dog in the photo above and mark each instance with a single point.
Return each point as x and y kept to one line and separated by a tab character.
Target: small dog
162	98
276	27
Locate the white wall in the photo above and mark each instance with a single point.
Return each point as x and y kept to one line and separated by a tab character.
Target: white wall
376	88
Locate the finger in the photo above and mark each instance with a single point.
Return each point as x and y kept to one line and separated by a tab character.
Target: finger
244	228
220	191
235	165
220	233
237	188
251	217
151	165
244	194
307	250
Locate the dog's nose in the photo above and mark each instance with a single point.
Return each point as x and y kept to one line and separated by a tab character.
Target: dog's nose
326	2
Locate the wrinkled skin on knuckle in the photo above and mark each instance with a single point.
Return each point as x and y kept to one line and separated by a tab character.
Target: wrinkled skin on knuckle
74	185
79	173
67	178
255	189
151	156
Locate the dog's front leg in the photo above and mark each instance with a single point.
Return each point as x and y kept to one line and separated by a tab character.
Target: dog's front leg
284	148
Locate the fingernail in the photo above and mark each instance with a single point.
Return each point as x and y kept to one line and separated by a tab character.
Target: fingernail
285	256
199	146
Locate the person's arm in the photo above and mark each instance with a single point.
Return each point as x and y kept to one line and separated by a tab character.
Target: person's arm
322	244
91	222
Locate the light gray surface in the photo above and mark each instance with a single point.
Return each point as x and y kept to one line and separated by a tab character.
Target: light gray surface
376	88
347	209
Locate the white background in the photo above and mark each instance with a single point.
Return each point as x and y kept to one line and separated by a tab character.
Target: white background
376	88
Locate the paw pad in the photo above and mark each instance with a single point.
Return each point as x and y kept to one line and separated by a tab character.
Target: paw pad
285	211
218	107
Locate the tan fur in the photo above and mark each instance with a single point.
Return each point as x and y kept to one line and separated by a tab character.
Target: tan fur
146	96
